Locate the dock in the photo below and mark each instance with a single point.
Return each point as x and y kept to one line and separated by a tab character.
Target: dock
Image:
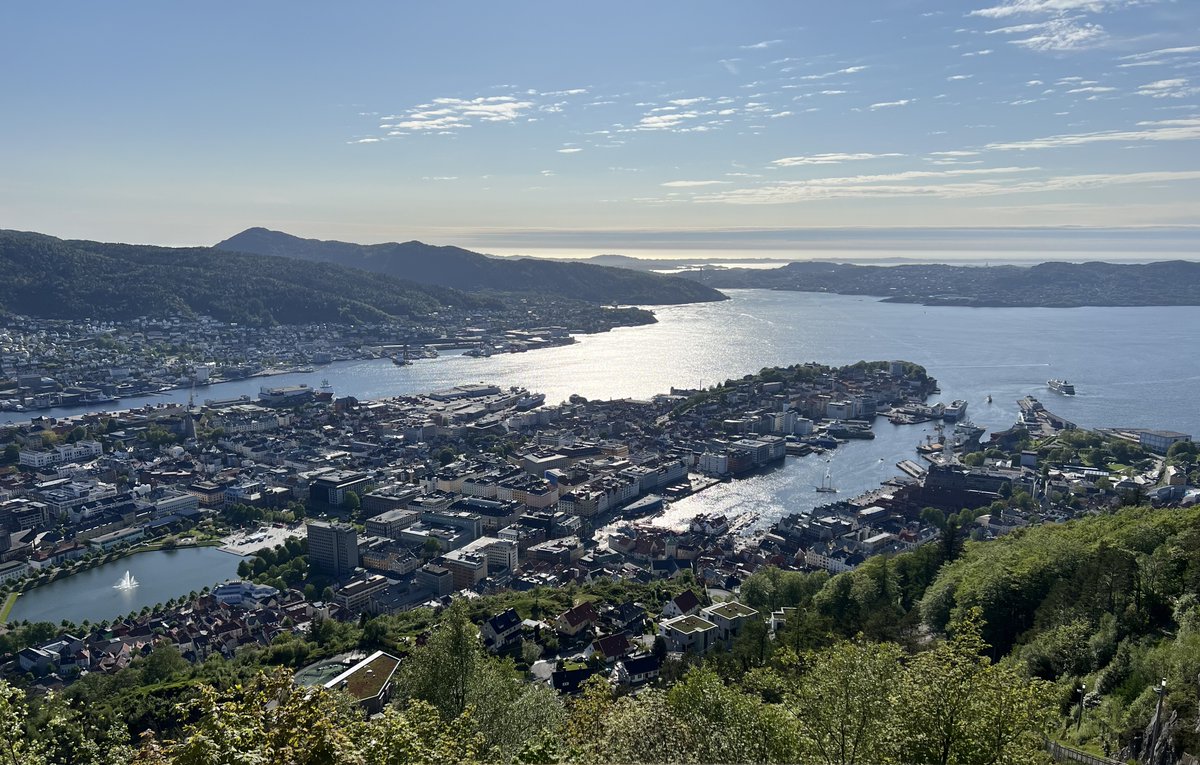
911	468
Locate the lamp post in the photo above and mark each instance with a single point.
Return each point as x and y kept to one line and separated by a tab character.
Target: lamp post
1079	717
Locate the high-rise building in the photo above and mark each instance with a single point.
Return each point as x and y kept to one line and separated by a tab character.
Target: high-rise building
332	547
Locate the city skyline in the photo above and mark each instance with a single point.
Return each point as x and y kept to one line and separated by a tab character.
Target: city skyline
548	129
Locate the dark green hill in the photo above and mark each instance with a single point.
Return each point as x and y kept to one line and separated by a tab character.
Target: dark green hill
1175	282
55	278
465	270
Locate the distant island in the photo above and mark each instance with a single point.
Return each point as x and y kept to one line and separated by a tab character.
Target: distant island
471	272
1051	285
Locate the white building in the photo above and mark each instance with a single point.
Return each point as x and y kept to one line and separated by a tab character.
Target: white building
60	454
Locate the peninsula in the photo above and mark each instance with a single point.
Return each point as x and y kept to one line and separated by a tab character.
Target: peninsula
1049	285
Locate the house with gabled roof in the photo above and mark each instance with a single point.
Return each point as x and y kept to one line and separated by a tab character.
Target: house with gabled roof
610	647
635	670
501	630
685	603
576	620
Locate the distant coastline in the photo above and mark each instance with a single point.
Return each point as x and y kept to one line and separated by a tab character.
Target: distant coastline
1045	285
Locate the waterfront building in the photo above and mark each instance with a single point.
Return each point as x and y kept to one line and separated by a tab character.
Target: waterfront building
1160	441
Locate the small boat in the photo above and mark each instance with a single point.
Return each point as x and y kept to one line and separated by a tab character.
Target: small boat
826	486
400	361
325	384
989	398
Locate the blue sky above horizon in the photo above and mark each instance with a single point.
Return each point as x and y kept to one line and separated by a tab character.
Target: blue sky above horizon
535	126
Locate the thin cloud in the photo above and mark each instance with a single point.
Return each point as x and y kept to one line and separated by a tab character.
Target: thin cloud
569	150
1149	56
1026	7
1167	130
761	45
1058	34
451	114
691	184
890	104
827	75
828	159
981	182
1173	88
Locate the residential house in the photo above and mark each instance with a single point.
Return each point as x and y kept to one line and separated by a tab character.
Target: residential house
635	670
501	630
685	603
577	619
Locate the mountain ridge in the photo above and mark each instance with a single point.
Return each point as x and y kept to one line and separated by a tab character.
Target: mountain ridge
54	278
458	268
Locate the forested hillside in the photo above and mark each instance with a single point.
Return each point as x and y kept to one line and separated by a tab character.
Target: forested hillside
56	278
465	270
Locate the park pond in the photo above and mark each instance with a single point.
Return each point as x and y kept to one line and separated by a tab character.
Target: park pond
93	595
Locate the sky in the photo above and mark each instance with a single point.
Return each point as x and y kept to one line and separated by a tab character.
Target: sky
781	128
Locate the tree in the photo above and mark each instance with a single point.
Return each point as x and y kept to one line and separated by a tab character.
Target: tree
959	707
351	502
950	542
15	747
12	453
162	664
440	671
752	646
843	702
934	517
431	548
659	648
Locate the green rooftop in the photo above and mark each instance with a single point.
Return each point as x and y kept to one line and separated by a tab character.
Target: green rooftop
731	610
690	624
367	678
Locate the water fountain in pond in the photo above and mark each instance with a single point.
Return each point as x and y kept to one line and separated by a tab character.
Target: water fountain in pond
127	582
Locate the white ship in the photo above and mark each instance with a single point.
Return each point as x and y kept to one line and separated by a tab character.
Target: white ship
1061	386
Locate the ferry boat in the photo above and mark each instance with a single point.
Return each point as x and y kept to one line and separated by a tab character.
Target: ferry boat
955	411
1061	386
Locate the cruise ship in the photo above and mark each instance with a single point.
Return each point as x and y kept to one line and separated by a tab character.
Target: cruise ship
1061	386
955	411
